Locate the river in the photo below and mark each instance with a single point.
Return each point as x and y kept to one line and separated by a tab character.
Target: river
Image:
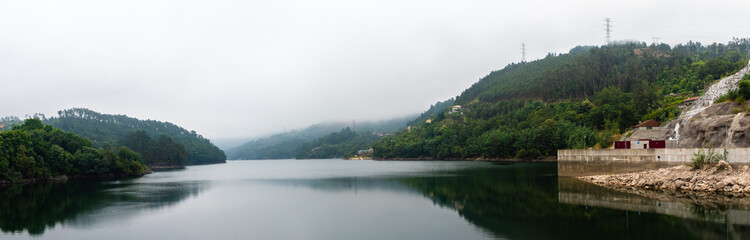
338	199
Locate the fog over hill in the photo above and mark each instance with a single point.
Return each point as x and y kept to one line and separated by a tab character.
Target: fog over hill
284	145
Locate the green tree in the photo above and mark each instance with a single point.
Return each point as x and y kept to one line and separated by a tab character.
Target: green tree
33	151
744	89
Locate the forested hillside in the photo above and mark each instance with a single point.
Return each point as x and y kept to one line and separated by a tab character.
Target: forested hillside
574	100
433	111
161	152
285	145
109	130
344	143
33	151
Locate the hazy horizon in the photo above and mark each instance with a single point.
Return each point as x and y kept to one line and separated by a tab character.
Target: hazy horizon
238	69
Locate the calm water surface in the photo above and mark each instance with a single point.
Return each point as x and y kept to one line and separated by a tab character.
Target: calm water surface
336	199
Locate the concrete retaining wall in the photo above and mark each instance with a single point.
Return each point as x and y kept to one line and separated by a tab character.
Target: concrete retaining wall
586	162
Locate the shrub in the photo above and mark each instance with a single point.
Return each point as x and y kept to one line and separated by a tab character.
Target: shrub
702	157
698	159
663	114
740	100
744	89
732	94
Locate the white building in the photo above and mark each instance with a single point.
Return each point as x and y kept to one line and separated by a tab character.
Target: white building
456	108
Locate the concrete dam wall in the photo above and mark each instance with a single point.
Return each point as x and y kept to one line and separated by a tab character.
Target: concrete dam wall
587	162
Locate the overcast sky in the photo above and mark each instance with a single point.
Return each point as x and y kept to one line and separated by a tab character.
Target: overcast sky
245	68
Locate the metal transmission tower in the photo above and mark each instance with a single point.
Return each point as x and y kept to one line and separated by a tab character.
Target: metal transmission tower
523	52
656	40
608	25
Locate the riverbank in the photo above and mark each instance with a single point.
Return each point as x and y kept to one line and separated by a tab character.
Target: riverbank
166	167
65	178
715	178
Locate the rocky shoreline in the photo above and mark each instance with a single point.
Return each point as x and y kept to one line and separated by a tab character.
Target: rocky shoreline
544	159
715	178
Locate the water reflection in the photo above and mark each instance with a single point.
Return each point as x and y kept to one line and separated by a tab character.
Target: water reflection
705	216
528	201
517	201
342	184
521	202
37	207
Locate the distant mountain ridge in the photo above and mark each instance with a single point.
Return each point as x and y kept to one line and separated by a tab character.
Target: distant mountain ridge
343	144
108	130
284	145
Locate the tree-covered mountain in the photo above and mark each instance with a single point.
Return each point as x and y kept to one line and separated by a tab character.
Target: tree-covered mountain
585	71
344	143
284	145
433	111
157	153
109	130
34	151
574	100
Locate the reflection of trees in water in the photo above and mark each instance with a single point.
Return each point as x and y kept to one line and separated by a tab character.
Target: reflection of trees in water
712	230
714	223
342	184
704	215
35	207
520	202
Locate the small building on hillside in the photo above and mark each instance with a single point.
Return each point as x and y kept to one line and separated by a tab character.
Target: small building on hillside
648	124
688	102
456	108
364	152
641	144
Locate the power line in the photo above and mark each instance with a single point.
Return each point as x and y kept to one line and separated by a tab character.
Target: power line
523	52
608	24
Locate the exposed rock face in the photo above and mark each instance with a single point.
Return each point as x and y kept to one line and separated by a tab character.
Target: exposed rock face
715	125
704	122
714	92
720	177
